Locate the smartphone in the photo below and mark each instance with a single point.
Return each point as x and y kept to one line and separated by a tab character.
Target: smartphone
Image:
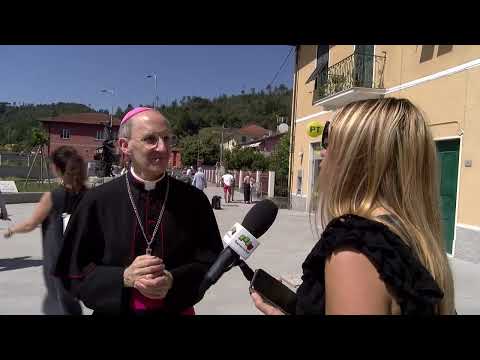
273	291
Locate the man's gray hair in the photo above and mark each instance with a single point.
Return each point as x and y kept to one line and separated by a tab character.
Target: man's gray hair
125	130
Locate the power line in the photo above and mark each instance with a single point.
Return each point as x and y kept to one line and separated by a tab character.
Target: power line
281	67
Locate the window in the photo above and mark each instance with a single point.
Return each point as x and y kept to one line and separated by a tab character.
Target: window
299	182
66	134
322	64
427	53
100	135
443	49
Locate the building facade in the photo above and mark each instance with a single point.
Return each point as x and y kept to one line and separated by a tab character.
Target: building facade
442	80
85	132
265	145
248	133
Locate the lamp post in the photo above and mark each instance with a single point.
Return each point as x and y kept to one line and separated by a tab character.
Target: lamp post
111	92
155	96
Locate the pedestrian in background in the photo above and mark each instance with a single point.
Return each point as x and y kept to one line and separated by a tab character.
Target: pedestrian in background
246	188
53	213
199	180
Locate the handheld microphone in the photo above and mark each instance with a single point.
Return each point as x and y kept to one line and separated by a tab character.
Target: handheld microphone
241	241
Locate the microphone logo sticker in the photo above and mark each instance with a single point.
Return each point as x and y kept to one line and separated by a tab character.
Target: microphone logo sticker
241	241
246	240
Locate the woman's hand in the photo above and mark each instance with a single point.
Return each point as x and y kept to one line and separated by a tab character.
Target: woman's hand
8	233
265	308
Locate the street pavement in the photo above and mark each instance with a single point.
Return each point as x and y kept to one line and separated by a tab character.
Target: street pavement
281	253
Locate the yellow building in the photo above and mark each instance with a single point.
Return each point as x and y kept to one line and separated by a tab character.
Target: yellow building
443	80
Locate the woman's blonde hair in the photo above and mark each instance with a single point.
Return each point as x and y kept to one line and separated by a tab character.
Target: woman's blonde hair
381	154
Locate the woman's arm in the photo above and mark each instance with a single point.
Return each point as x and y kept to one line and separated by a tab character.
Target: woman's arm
353	286
39	215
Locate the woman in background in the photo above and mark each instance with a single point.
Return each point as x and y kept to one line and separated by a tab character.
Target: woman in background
53	212
246	188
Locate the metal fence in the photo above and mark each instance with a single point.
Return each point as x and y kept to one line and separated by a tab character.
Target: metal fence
357	70
281	186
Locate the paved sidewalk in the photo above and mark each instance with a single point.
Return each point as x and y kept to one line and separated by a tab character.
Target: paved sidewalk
281	253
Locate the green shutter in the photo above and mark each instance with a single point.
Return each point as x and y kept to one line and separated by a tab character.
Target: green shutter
364	65
448	154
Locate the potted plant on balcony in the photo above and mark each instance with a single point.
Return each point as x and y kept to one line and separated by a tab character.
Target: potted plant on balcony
336	83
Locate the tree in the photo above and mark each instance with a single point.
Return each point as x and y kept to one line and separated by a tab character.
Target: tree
119	112
203	147
38	137
279	159
246	159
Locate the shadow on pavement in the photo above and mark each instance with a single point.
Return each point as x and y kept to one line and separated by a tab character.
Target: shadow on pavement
19	263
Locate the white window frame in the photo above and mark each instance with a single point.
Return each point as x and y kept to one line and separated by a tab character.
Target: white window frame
102	134
66	134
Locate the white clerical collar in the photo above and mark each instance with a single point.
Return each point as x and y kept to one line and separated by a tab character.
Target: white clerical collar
149	185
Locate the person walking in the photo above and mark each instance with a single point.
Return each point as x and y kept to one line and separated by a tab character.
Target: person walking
199	179
246	188
53	213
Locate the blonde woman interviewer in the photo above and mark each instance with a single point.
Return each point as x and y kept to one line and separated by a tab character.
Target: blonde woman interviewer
381	251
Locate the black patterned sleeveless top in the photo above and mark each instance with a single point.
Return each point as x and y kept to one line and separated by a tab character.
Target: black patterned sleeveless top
412	286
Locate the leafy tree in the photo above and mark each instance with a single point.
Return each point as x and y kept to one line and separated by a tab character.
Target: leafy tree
205	147
246	159
280	157
119	112
38	137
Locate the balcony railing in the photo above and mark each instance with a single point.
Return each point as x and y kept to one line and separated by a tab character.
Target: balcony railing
358	70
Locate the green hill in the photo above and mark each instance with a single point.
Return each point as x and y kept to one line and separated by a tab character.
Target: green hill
187	115
191	114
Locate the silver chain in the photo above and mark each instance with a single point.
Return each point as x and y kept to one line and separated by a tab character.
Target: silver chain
149	250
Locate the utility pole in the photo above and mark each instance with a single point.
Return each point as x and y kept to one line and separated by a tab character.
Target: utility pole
155	95
198	152
221	146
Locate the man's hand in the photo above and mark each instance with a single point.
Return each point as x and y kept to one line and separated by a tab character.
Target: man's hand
155	287
145	265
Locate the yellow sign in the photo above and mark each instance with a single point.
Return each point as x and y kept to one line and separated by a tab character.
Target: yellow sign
314	129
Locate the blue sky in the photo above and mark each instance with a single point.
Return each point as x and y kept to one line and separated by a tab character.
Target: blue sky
46	74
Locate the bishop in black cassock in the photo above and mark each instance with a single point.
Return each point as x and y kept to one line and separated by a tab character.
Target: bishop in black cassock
104	237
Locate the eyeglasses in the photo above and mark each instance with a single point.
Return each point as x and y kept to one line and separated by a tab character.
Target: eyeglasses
325	135
152	140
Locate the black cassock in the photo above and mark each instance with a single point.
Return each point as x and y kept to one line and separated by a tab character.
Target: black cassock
103	238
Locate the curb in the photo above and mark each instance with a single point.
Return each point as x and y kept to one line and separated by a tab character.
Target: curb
22	197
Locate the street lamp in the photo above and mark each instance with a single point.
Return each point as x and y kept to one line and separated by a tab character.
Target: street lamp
155	97
111	92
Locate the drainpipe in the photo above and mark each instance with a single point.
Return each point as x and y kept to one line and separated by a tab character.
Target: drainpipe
292	126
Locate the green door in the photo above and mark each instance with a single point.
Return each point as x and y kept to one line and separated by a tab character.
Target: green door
448	154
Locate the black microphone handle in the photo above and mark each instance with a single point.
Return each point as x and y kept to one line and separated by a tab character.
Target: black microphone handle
246	270
224	260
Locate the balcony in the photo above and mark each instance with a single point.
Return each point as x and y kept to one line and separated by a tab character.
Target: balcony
357	77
